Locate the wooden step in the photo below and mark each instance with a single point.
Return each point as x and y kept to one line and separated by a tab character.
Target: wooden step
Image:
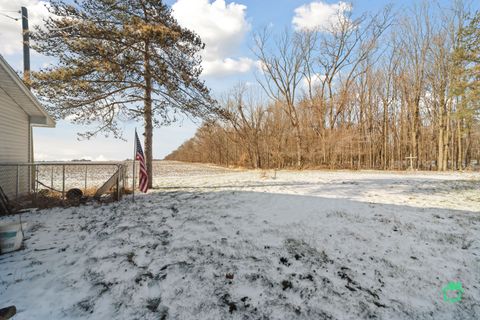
107	186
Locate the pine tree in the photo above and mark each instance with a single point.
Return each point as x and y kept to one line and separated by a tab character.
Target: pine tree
467	64
466	84
120	60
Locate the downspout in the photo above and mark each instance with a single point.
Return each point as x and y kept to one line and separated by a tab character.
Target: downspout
31	171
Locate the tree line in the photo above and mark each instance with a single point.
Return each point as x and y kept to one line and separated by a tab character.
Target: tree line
374	91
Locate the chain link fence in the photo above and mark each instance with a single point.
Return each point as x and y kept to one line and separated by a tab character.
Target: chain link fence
21	182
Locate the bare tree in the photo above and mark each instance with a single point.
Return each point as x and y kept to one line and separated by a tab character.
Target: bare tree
246	115
281	74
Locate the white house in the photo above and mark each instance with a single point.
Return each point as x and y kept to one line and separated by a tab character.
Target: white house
19	112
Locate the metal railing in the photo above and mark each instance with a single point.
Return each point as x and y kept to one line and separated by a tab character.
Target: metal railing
21	180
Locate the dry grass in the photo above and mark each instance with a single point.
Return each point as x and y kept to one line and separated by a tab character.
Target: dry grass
46	198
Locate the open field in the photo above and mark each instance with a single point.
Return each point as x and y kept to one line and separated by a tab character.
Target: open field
96	175
213	243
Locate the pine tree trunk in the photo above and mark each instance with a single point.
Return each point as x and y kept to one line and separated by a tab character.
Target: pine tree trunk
468	155
459	146
148	117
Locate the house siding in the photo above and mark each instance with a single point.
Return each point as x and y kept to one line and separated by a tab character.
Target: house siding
14	145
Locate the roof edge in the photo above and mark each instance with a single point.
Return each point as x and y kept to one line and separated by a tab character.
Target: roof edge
42	121
50	122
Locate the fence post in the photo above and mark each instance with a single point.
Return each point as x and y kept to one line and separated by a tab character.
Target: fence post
118	184
51	179
124	177
35	184
17	187
36	179
29	181
121	181
63	182
86	171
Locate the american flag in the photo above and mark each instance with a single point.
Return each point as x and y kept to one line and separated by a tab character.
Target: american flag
143	182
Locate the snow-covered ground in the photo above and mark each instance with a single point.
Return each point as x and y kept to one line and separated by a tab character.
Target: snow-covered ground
212	243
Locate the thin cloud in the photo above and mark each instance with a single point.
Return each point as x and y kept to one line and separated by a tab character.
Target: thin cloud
320	16
227	66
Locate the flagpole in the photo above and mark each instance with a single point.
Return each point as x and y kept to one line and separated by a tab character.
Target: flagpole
134	157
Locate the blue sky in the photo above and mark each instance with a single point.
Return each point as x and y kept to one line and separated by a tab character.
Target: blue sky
225	26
